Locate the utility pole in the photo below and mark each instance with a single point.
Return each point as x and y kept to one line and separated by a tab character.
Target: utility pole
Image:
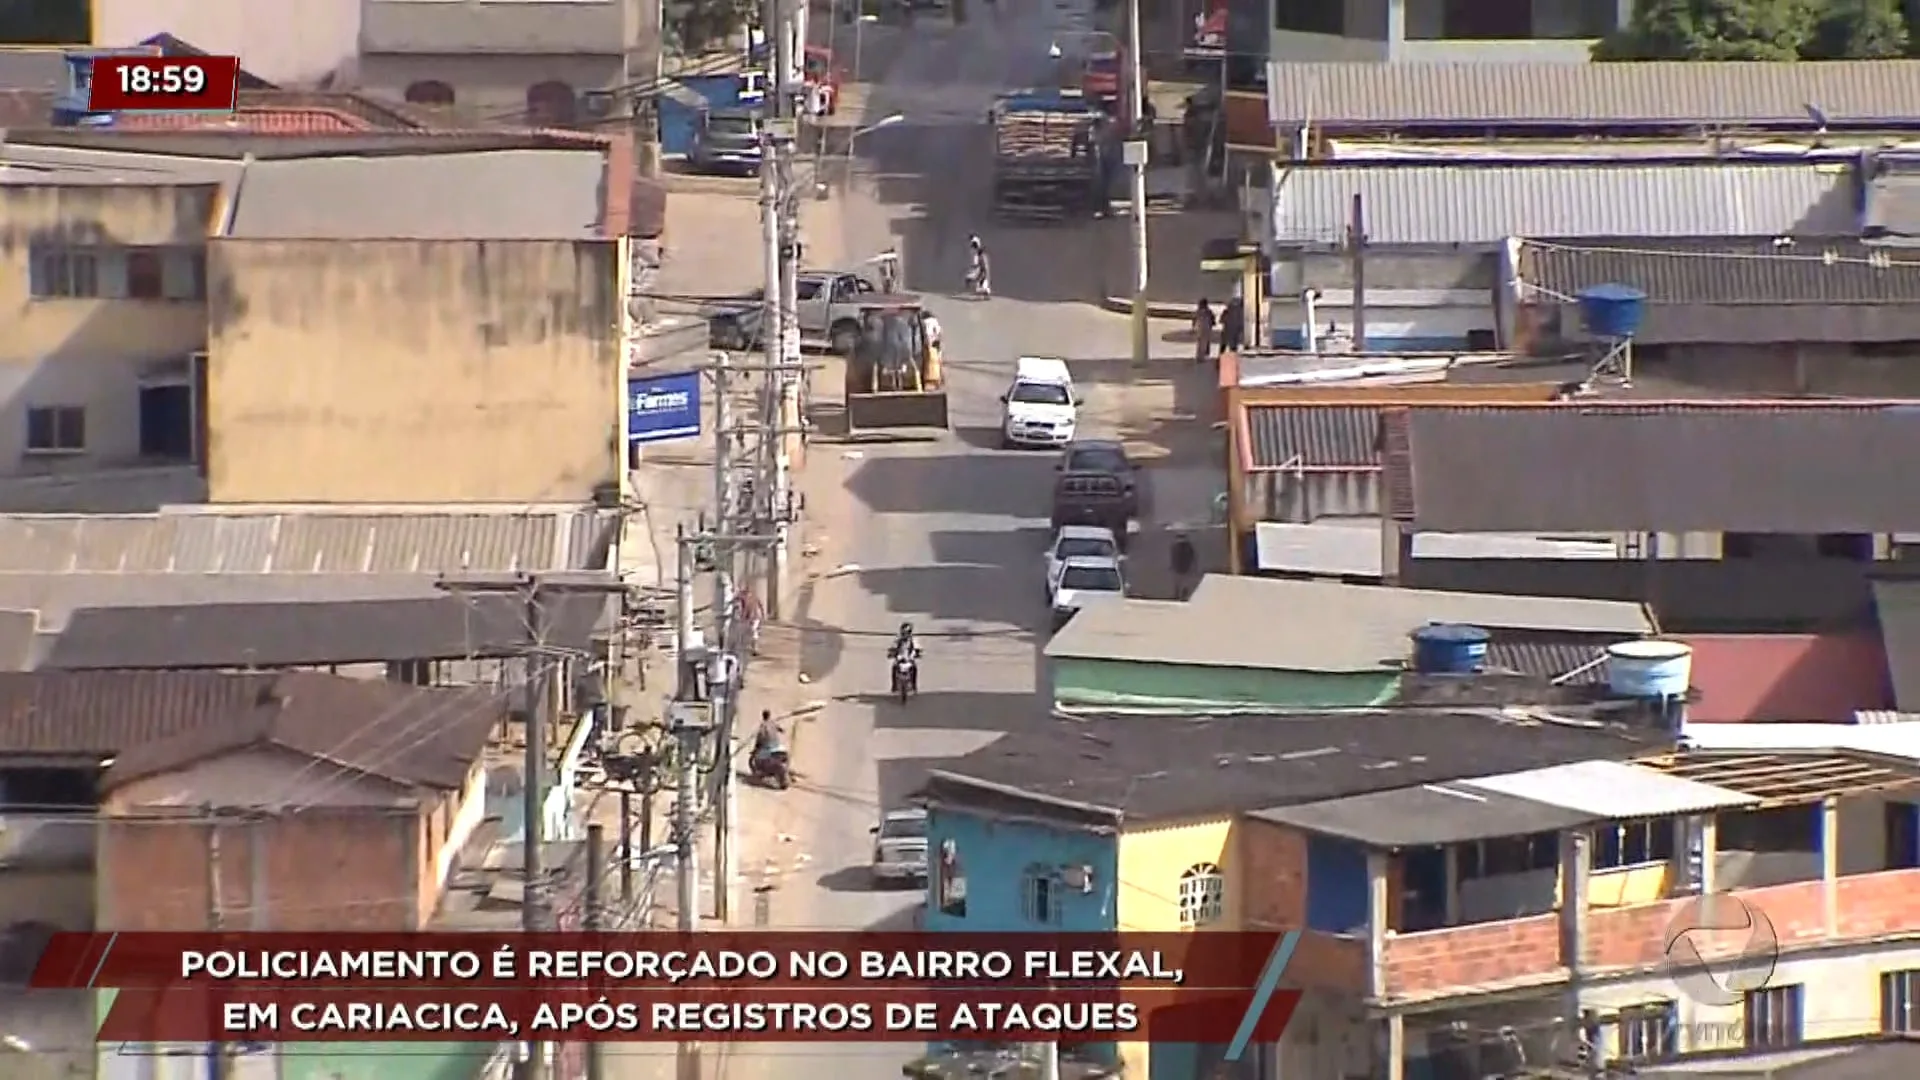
219	1065
1357	248
594	922
640	78
1137	148
536	912
690	730
726	665
785	398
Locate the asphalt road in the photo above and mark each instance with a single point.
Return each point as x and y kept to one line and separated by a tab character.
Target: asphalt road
945	533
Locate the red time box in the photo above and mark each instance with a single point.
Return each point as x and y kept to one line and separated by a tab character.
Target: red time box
164	84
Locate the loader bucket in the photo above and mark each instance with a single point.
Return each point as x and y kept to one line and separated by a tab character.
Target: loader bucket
886	411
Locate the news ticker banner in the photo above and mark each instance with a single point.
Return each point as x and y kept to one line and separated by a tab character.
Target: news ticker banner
745	987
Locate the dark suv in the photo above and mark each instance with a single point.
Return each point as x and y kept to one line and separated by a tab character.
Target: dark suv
1105	456
1092	498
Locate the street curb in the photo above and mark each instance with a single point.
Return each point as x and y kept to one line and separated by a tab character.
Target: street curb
1155	310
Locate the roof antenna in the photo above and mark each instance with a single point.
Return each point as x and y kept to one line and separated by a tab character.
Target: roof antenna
1818	116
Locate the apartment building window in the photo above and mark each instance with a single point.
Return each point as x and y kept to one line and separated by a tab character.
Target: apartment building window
62	273
56	429
1632	843
1775	1018
154	272
1203	895
1040	897
1646	1032
1898	993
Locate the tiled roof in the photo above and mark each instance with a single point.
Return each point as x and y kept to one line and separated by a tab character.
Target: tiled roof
1807	678
1314	436
1485	203
156	722
1728	271
1724	94
252	121
1816	467
273	635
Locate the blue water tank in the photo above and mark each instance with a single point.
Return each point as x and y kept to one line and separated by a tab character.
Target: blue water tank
1612	311
1449	649
1650	669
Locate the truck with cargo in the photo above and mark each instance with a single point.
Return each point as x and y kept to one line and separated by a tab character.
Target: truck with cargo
1048	147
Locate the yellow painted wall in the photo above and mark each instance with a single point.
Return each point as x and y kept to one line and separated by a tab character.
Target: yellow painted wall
85	352
1151	862
1626	887
401	371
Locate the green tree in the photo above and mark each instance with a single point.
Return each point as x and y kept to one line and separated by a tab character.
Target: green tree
1858	30
1715	30
45	22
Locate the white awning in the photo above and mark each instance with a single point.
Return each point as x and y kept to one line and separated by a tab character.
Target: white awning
1613	790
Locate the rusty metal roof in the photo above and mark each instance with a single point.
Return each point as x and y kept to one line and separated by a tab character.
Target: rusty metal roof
280	541
1727	271
1883	93
156	722
1796	468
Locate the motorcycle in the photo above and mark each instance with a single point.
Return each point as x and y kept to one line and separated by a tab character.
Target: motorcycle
770	765
906	676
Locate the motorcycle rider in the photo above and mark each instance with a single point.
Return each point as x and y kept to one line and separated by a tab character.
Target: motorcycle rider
977	269
905	648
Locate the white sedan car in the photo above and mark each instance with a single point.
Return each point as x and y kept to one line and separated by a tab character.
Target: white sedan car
1083	580
1079	541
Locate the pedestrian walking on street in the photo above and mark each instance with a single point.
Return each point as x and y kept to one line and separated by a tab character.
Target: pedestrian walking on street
1183	562
1233	325
1203	326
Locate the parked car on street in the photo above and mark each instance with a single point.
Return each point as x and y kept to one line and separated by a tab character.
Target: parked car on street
900	848
1079	541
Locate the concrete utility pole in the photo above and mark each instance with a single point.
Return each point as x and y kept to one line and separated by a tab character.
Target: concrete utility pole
640	76
782	26
726	663
219	1064
536	910
689	729
1138	140
594	921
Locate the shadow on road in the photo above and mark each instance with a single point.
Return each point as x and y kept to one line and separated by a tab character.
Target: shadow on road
967	592
1009	485
1016	548
820	645
956	710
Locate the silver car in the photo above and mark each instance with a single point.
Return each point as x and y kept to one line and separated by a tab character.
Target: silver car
900	848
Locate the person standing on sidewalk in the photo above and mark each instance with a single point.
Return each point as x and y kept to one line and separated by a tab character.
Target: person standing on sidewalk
1203	325
1183	562
1233	324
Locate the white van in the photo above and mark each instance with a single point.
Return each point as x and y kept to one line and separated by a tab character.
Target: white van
1041	408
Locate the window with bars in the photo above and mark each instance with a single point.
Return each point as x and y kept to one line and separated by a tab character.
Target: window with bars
1776	1017
1203	895
1647	1031
1040	896
56	429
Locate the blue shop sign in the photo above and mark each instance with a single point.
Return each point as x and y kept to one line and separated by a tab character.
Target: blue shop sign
663	407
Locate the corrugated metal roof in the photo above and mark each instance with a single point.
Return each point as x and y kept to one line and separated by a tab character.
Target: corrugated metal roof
1726	94
1351	547
492	195
1486	204
1612	790
1431	814
1806	468
1314	436
278	541
1893	204
1230	622
1727	271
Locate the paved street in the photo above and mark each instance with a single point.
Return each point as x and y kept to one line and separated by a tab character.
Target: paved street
945	533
